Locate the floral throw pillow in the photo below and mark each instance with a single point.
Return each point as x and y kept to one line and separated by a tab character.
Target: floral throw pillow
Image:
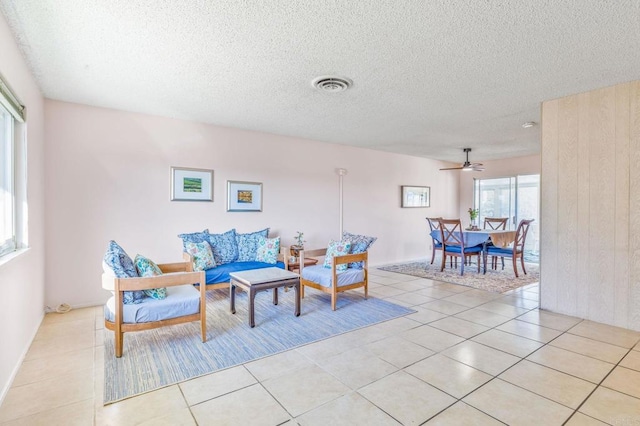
194	237
337	248
116	262
268	250
224	247
248	244
147	268
202	255
359	244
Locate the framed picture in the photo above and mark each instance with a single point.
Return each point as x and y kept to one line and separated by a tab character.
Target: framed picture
416	196
191	184
244	196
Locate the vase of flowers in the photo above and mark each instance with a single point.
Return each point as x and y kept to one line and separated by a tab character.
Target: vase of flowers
473	215
295	249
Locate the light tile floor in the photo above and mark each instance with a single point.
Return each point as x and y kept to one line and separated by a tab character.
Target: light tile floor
464	357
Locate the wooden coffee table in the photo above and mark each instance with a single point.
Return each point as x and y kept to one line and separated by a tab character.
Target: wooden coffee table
256	280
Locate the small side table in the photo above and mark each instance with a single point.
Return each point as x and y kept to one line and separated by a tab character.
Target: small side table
308	261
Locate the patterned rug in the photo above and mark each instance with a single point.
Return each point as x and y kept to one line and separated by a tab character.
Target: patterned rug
167	355
497	281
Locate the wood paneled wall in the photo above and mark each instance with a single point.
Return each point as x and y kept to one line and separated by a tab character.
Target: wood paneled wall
590	205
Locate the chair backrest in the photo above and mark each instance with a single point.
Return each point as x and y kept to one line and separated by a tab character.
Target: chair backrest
433	223
495	222
521	234
451	232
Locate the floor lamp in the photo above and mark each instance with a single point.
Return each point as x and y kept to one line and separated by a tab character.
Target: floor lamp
341	173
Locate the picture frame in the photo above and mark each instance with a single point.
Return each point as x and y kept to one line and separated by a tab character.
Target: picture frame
244	196
415	196
188	184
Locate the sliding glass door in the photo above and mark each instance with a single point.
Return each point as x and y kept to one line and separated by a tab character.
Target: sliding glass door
515	197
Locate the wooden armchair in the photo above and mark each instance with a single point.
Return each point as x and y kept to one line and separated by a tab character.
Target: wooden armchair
330	280
184	303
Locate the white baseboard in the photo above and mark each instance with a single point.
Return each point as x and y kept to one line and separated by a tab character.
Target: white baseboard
16	368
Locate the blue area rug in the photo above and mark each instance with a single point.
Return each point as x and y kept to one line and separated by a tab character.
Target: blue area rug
156	358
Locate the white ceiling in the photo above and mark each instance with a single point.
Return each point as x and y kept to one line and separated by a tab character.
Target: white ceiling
430	76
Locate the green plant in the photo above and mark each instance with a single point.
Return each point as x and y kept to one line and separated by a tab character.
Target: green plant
299	239
473	213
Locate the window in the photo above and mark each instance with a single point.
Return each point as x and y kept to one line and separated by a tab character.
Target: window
7	188
11	114
515	197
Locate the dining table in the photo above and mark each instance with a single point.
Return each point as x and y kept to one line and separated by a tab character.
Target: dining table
498	237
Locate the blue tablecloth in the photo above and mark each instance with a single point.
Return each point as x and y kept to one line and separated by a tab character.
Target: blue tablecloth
471	238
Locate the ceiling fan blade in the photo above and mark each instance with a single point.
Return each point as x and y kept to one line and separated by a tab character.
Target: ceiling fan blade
453	168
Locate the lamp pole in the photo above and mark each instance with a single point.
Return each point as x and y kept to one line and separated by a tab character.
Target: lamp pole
341	173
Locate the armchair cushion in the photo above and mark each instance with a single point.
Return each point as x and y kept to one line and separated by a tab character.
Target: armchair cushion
248	244
220	274
202	255
268	250
224	247
337	248
359	244
323	276
147	268
181	300
194	237
117	263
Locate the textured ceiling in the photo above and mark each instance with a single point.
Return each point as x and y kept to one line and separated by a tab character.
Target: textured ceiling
430	77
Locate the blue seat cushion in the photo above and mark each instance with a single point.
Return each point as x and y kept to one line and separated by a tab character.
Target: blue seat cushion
323	276
220	274
457	249
497	251
181	300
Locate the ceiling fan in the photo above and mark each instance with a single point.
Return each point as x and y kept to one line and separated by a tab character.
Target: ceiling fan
467	166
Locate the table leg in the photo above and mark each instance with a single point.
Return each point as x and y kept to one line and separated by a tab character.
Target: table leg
275	296
252	296
232	296
297	291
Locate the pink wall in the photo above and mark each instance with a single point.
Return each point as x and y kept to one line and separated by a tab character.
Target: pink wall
22	278
108	178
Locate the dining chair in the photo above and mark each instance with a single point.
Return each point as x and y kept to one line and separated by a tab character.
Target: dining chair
452	237
517	251
434	226
495	223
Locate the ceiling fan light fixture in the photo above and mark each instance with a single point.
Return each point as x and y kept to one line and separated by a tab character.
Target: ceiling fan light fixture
528	124
467	166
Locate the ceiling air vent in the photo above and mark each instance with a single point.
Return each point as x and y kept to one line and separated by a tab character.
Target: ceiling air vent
332	83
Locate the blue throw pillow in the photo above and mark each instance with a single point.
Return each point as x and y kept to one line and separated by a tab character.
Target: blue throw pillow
359	244
248	244
121	266
224	246
194	237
